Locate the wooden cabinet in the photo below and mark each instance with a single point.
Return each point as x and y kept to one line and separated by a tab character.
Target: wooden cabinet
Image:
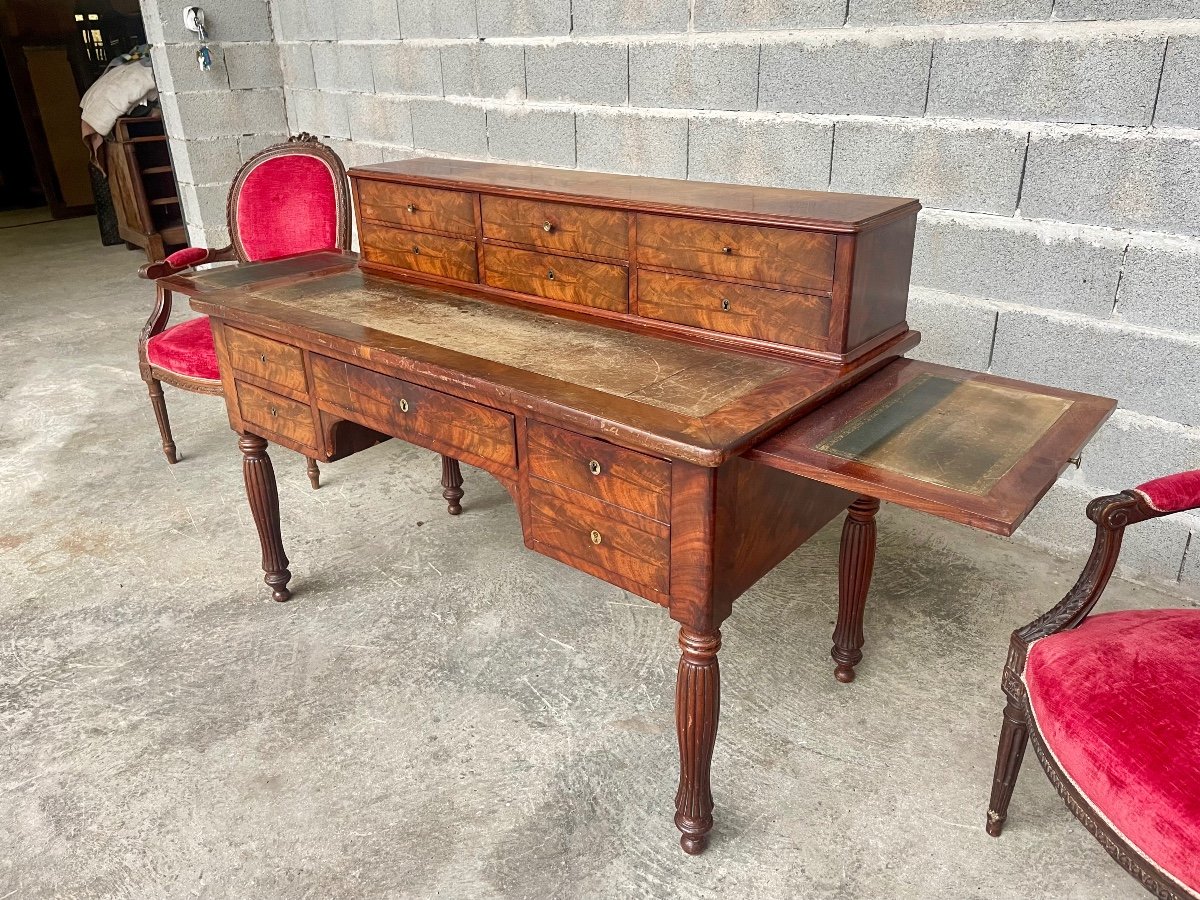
142	180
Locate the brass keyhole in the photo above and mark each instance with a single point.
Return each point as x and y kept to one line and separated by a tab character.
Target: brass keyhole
594	467
416	250
596	537
726	250
547	226
724	304
274	411
263	357
550	274
403	405
411	208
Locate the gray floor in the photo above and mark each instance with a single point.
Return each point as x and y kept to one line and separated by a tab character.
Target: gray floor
439	712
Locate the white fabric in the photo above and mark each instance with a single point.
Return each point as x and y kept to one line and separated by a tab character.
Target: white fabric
116	92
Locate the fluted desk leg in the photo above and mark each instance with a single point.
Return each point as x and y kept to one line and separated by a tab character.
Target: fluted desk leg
697	706
856	561
263	495
452	489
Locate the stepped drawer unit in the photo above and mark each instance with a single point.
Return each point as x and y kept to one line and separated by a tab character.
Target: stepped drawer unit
678	384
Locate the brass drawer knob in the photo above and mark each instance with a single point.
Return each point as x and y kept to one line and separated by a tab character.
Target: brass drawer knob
417	250
596	538
594	467
547	226
726	250
403	405
725	304
550	274
411	207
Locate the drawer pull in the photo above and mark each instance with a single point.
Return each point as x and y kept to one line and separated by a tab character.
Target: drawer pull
596	538
547	226
274	411
725	304
727	250
403	405
550	274
412	207
594	467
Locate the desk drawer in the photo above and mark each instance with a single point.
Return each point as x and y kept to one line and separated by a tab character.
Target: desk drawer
632	481
417	207
601	534
557	226
432	254
794	259
267	359
480	434
800	320
276	415
558	277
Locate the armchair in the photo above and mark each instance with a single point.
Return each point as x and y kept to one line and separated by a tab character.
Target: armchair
1111	704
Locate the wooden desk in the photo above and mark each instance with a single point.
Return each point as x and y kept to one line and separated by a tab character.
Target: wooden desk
678	384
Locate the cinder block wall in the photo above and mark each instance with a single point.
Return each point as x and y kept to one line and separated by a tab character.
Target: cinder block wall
1055	145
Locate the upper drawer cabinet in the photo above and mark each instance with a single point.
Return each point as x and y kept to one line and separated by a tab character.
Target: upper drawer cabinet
563	227
794	259
432	254
264	358
417	207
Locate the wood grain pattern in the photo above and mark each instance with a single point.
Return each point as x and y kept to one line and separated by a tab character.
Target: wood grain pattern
432	254
267	359
417	207
481	434
801	320
263	494
557	277
633	546
562	227
277	415
856	563
697	710
794	259
622	477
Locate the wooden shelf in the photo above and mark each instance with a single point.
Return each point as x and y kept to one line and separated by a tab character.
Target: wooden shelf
146	139
165	201
157	170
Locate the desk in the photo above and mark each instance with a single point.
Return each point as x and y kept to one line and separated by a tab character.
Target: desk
678	384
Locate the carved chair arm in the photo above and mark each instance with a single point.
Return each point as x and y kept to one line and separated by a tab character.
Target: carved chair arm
187	258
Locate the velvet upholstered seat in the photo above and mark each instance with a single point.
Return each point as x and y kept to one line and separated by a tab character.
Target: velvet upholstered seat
1112	705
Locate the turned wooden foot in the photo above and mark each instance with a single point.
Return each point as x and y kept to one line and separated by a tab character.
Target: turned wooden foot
856	561
314	473
160	414
1014	736
452	485
263	495
697	706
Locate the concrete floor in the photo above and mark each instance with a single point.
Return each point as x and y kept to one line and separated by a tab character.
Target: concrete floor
439	712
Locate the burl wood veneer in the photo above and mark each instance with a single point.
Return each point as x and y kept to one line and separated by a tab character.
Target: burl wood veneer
678	383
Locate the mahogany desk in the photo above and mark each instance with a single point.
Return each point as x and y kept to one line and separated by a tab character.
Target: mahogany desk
679	384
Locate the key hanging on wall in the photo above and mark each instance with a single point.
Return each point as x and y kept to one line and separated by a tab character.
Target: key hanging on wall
193	20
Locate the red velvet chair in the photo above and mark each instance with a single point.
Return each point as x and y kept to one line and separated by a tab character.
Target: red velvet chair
1111	704
287	199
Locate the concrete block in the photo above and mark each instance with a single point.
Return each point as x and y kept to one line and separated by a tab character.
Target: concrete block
1082	78
955	331
544	136
632	143
879	74
457	129
905	12
176	70
204	205
403	69
508	18
766	151
1135	180
1160	286
1180	83
358	153
321	113
1189	575
1017	262
205	161
1131	449
1126	9
304	20
253	66
367	20
624	17
1143	369
693	75
379	119
226	20
484	70
221	113
343	67
297	66
579	73
438	18
249	144
756	15
977	169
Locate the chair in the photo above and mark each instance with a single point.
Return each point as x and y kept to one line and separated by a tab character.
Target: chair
1111	704
287	199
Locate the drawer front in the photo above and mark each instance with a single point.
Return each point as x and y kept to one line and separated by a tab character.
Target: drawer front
613	474
417	207
276	415
269	360
795	259
408	410
557	226
601	534
800	320
431	254
579	281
